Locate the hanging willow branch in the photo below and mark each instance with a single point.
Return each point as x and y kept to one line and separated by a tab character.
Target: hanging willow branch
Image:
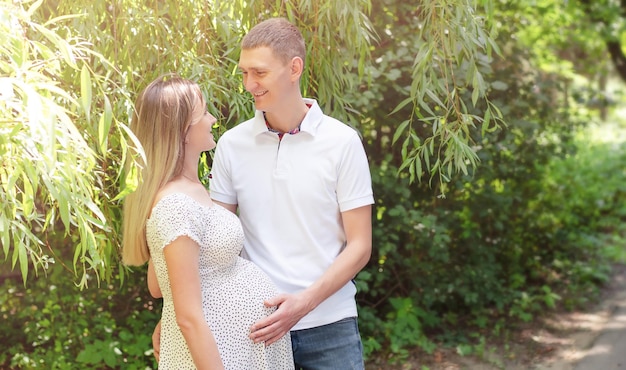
454	46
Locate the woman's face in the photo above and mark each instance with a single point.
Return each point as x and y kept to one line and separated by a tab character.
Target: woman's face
200	132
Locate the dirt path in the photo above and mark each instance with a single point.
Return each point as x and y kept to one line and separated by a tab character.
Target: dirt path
592	339
598	338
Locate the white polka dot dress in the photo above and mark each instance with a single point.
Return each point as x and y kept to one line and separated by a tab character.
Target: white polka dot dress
233	288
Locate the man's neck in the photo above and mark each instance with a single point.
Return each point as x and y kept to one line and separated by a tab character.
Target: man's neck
288	118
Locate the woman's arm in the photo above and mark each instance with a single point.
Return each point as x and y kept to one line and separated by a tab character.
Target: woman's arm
153	283
155	292
181	257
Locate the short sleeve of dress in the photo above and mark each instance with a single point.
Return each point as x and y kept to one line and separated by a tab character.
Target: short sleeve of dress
173	217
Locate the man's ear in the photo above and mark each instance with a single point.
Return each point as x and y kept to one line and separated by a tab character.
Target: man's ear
297	67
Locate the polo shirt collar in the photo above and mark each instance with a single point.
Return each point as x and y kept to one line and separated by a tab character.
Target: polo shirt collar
309	124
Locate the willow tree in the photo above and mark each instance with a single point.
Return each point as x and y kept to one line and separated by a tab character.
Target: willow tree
454	50
71	69
51	147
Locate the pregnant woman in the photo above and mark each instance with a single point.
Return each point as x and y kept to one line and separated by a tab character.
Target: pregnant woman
211	296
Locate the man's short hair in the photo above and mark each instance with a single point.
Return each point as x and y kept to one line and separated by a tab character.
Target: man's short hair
278	34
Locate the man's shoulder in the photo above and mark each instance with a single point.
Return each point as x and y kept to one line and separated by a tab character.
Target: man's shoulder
337	127
328	123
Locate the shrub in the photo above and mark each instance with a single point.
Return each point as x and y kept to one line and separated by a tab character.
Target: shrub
54	325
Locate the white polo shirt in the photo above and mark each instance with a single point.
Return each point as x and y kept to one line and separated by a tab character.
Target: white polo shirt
290	194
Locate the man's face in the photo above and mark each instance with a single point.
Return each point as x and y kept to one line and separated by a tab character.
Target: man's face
266	77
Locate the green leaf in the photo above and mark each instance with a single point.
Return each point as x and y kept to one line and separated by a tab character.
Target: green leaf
64	210
104	126
486	121
34	7
61	18
435	98
475	96
58	42
27	197
400	130
85	91
499	85
401	105
23	258
5	235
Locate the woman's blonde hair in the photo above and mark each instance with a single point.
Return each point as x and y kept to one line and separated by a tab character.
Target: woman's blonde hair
163	113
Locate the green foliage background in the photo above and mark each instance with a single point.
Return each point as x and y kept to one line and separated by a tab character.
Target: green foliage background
510	218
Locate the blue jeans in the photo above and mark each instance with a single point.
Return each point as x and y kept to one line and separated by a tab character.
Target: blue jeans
335	346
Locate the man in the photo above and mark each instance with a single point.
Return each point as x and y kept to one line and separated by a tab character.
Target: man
302	187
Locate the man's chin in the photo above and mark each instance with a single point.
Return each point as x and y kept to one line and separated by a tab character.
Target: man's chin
258	105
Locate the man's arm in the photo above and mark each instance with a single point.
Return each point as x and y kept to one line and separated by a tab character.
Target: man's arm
230	207
293	307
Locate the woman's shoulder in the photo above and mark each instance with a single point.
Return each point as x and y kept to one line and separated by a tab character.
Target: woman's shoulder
169	207
183	191
169	198
175	213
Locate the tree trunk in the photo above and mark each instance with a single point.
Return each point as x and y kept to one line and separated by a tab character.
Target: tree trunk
618	57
